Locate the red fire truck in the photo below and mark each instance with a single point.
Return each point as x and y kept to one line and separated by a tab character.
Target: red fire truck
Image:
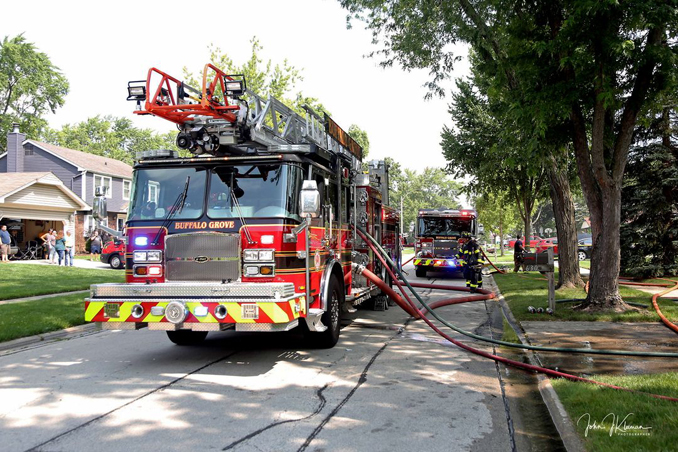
251	230
440	233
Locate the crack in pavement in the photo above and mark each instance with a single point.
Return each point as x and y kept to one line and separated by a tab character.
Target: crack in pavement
361	380
101	416
320	407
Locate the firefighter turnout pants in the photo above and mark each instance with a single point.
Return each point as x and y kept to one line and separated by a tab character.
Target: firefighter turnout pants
474	277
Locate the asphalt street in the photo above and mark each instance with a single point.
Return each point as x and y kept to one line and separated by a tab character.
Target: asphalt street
390	384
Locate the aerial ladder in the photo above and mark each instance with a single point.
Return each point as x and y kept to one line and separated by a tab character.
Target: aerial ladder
223	117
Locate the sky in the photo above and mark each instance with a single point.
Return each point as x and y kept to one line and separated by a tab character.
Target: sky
100	46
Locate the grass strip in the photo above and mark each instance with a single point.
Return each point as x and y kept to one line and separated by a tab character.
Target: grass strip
523	292
41	316
610	415
28	280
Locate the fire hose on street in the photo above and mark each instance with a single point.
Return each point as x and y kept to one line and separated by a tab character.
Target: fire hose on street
485	295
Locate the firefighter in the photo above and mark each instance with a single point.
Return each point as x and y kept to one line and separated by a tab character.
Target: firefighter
473	264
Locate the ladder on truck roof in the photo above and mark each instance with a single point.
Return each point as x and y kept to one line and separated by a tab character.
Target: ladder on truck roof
224	114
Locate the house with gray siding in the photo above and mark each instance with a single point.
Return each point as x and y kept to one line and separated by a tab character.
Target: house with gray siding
80	172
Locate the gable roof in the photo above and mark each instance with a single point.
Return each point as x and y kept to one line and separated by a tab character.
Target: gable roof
11	183
86	161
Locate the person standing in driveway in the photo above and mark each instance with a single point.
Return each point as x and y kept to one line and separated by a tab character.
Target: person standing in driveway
5	241
70	248
60	247
94	246
50	240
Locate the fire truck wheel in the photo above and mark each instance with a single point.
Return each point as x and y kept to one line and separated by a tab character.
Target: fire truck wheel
420	272
187	337
332	317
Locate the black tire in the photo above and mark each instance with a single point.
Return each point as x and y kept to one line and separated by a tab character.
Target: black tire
187	337
420	272
582	255
331	318
115	262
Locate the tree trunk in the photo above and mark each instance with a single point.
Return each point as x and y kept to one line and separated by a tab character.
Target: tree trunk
606	256
566	228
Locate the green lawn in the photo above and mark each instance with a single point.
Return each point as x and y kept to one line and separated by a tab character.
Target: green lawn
41	316
586	403
26	280
523	292
585	264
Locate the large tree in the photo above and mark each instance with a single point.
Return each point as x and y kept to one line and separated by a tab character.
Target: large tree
598	63
109	136
649	232
30	87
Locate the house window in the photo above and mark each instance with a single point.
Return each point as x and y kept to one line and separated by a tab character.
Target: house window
104	181
126	189
153	192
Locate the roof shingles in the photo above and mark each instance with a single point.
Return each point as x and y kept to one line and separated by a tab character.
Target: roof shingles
90	162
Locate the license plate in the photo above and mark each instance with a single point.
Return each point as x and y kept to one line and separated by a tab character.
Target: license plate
250	312
112	310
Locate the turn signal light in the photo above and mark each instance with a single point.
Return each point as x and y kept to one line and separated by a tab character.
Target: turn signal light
142	271
266	270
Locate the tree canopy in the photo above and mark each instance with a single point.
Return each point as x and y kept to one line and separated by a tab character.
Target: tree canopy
109	136
30	87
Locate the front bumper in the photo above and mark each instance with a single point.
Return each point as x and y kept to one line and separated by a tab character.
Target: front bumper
248	306
442	263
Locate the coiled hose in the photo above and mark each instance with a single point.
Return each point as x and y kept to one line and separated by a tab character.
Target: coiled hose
383	257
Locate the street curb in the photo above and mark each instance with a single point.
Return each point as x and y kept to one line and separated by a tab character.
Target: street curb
561	420
24	342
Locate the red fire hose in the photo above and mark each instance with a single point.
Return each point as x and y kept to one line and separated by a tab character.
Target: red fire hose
372	277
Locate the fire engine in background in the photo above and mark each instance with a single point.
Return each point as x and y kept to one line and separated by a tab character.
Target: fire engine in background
252	231
440	233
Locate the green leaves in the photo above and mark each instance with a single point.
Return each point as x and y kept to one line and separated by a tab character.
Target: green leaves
109	136
30	86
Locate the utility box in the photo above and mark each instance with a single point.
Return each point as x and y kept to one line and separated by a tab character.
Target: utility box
543	262
538	262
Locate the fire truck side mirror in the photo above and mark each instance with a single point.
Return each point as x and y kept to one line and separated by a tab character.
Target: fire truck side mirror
310	199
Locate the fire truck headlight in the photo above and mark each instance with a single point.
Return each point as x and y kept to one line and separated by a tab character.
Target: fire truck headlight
154	270
266	255
251	270
251	255
140	256
154	256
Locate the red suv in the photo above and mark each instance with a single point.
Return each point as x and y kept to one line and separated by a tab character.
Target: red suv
545	244
533	241
114	254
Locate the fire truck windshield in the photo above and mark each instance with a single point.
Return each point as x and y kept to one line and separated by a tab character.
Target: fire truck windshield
156	190
260	190
445	226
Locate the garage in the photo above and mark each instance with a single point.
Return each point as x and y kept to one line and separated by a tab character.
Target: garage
31	204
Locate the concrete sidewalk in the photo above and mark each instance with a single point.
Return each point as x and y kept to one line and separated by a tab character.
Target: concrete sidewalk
80	263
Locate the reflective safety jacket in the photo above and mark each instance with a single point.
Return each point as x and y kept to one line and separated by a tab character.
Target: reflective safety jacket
471	254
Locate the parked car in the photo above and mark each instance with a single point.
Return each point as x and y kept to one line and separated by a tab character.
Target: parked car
545	244
533	241
584	250
113	254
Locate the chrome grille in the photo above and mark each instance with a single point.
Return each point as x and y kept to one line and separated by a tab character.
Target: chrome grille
202	256
445	248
